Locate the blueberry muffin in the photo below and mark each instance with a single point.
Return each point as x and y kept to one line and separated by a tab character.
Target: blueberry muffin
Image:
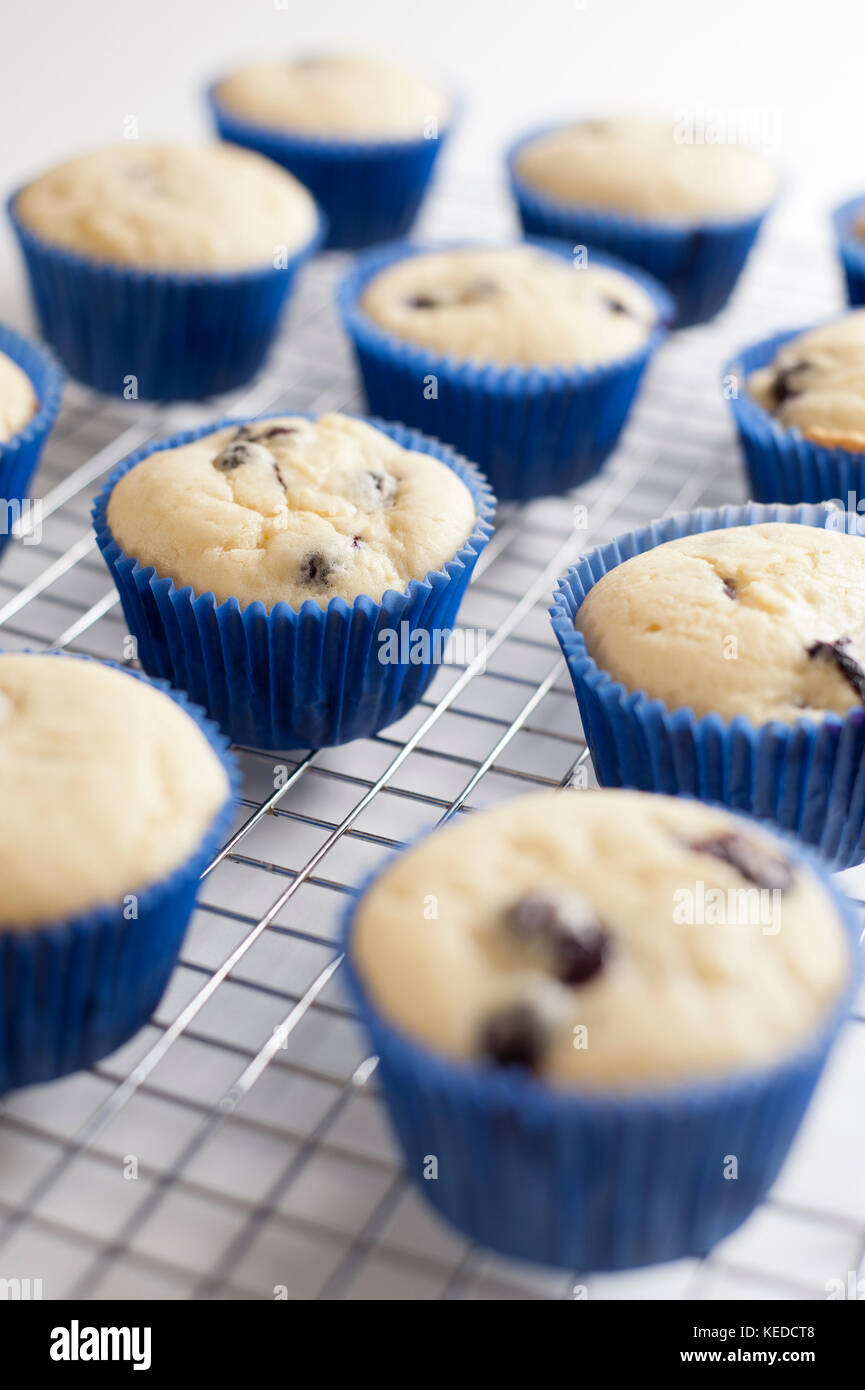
512	306
583	1003
815	384
170	207
765	621
18	403
335	96
556	913
134	787
637	167
526	359
292	510
298	578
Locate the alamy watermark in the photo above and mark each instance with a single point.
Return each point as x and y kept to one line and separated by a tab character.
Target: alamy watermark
702	906
407	646
20	1290
846	515
22	517
760	126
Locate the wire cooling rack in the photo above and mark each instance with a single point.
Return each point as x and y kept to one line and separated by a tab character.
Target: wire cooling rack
236	1148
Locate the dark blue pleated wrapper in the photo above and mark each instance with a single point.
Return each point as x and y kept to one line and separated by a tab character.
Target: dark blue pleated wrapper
807	778
72	992
370	191
699	263
534	431
851	248
20	454
594	1181
290	678
782	465
181	337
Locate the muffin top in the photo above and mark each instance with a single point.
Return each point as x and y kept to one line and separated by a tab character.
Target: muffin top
336	95
18	402
816	383
108	786
512	306
290	510
609	939
637	166
767	621
170	207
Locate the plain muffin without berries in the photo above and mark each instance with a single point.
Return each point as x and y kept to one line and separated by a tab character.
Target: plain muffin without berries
170	207
687	210
159	272
18	403
337	96
116	795
360	132
636	166
134	787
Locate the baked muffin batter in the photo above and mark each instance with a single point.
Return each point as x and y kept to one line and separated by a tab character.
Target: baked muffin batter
816	384
513	306
338	96
170	207
18	403
637	167
108	786
563	910
292	510
767	621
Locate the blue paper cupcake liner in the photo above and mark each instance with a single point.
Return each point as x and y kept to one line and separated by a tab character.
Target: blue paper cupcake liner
370	191
534	431
590	1181
807	778
699	262
782	465
296	678
20	454
851	248
155	335
74	991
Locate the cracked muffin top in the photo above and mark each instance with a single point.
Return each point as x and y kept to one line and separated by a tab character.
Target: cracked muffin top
560	934
511	306
191	208
637	166
816	384
108	785
766	621
290	510
341	96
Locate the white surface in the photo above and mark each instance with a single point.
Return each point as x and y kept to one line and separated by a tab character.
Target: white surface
71	74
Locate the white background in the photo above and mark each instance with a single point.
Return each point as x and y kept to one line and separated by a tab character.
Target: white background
71	72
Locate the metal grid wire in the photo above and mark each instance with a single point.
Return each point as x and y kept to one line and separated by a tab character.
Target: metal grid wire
236	1147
